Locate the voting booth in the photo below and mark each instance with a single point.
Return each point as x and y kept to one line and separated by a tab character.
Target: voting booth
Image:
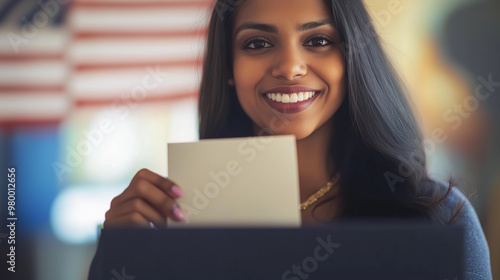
347	251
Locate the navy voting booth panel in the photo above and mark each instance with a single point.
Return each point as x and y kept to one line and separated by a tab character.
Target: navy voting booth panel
333	252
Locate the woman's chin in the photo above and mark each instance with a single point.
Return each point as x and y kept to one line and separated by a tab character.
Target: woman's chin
299	134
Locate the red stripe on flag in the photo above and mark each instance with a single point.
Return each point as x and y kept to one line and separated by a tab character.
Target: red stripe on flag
30	89
31	57
13	124
141	4
113	66
139	34
153	99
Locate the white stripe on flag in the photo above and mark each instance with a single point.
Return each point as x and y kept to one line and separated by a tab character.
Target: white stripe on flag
41	41
33	73
101	51
110	84
149	19
37	106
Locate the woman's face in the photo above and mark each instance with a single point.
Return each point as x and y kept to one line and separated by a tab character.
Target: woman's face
288	65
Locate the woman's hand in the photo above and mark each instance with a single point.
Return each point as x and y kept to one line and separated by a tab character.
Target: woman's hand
149	198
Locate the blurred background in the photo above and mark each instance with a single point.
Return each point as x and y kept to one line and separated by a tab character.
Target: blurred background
92	90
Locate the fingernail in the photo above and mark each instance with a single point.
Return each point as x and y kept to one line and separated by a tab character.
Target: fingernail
178	213
176	191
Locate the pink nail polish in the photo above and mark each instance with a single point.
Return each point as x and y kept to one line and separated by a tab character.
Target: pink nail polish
178	213
176	191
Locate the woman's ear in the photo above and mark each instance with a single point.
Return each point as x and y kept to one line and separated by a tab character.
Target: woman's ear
230	82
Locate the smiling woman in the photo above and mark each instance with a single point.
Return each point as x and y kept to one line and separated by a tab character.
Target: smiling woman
314	69
353	120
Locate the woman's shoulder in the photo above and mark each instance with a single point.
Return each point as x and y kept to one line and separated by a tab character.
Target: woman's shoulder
454	205
457	209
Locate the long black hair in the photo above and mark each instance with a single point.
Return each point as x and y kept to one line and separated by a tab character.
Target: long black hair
377	144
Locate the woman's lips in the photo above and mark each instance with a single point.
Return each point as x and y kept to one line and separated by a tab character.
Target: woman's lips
291	102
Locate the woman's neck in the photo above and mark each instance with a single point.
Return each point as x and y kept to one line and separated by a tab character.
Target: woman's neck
315	166
315	169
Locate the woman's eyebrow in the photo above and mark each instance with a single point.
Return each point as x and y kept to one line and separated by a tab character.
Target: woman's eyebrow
255	25
314	24
273	29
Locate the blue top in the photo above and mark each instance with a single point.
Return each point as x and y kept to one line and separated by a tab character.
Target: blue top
477	253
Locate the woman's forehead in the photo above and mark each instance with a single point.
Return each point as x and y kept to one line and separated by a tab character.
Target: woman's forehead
279	11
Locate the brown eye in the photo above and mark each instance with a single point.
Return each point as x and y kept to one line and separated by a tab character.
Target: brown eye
318	42
257	44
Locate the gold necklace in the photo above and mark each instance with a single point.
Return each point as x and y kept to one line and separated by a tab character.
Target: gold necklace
320	193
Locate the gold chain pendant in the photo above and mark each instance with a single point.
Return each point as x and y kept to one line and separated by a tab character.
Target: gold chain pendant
320	193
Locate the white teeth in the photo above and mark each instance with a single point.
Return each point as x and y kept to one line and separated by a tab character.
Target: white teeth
290	98
285	98
301	96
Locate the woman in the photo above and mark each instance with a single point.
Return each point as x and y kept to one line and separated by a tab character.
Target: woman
314	69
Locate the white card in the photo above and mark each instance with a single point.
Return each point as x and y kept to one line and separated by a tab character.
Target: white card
237	182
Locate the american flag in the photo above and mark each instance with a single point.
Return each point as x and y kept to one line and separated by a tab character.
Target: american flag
57	56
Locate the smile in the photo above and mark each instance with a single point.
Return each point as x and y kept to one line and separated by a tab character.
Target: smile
291	97
291	100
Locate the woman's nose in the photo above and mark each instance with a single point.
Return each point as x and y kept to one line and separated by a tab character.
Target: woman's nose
289	64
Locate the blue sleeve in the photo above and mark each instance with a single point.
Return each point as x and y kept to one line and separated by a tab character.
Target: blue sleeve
477	253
